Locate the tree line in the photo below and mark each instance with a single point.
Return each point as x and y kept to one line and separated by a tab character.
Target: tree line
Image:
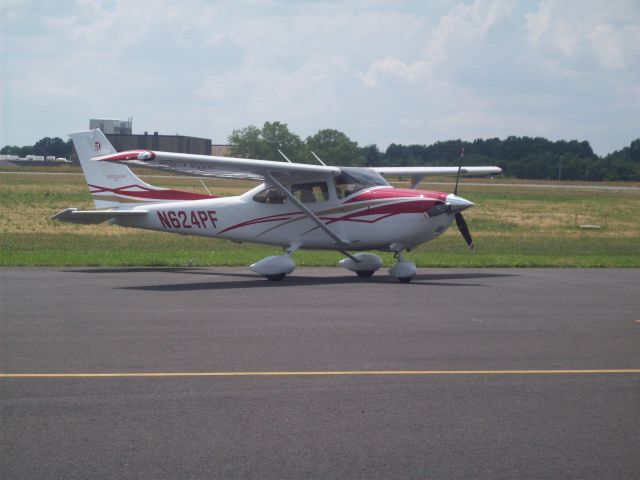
519	157
45	146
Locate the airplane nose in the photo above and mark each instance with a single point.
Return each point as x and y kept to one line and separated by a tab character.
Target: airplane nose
458	204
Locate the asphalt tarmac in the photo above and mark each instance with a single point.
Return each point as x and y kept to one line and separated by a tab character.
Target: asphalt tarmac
216	373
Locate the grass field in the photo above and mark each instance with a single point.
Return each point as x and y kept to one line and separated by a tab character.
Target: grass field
512	226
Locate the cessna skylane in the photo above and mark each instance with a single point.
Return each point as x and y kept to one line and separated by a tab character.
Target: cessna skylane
298	206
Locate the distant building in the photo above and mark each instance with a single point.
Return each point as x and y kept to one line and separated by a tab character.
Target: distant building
165	143
119	134
220	150
111	126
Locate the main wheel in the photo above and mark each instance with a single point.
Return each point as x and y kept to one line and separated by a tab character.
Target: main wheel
365	273
405	279
276	278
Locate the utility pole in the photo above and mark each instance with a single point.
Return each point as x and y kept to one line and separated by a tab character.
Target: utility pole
560	168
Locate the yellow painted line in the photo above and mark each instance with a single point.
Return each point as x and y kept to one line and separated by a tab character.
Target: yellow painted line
322	373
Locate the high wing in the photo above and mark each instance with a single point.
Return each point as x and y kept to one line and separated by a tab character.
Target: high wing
418	173
92	217
425	171
222	167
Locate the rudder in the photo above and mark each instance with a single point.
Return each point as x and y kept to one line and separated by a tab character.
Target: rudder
111	185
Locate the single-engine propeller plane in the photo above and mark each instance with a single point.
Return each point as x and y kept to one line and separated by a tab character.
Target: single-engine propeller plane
348	209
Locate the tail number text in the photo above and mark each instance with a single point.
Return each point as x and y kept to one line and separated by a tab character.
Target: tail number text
188	219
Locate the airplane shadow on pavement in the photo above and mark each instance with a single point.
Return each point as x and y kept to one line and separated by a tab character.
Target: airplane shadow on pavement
251	280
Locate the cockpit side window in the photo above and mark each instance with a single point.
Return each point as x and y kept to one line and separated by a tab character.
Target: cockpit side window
270	195
351	181
311	192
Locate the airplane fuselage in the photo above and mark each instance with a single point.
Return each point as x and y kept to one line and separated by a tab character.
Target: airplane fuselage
373	218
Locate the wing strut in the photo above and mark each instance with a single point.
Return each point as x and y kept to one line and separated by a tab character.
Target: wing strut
312	216
415	181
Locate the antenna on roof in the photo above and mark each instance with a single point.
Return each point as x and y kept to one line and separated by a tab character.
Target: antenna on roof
285	157
318	158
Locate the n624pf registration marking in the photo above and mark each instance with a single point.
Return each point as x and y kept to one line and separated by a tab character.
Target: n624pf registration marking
187	219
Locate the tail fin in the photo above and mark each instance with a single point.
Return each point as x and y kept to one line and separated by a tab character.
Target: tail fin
107	181
114	185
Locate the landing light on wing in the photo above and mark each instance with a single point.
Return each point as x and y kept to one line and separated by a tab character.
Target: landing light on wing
146	156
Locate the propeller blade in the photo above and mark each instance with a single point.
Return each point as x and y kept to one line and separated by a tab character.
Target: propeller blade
464	230
455	190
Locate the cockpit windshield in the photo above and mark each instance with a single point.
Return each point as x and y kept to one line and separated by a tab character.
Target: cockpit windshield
352	180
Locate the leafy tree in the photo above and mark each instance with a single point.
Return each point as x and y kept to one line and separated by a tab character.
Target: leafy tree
372	156
247	142
335	148
45	146
395	155
263	143
51	146
10	150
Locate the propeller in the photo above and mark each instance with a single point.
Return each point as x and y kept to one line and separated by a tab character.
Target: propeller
455	204
464	229
460	221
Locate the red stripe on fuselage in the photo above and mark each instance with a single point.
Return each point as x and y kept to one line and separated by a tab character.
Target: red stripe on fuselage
150	194
285	217
411	206
390	193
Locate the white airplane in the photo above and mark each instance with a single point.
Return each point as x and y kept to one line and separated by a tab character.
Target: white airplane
298	206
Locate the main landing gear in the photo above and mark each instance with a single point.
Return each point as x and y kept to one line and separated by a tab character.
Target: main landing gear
277	267
364	264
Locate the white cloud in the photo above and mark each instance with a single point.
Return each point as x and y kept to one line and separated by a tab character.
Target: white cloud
442	49
384	71
409	73
589	35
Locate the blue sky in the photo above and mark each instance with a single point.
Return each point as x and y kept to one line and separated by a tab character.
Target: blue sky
380	71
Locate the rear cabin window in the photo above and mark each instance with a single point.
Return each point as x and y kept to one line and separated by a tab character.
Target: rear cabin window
305	192
311	192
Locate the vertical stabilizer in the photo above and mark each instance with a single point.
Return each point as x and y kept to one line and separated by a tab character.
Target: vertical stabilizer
111	185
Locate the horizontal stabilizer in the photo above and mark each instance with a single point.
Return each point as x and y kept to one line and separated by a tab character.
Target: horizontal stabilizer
87	217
